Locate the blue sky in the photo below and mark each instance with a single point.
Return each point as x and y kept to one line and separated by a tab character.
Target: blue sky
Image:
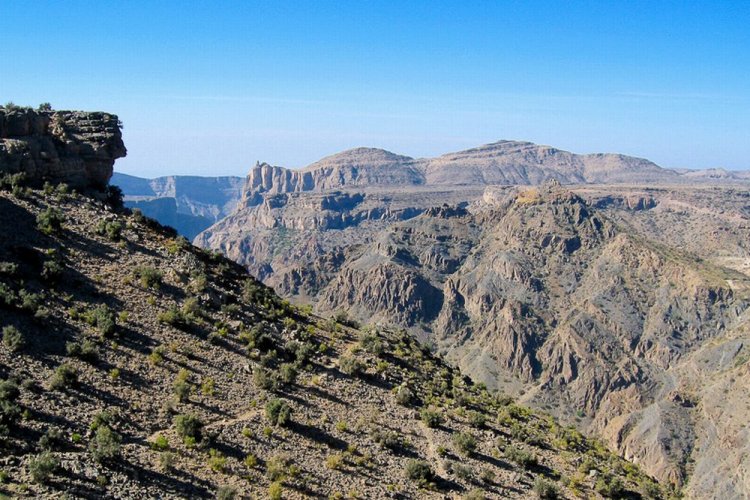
208	88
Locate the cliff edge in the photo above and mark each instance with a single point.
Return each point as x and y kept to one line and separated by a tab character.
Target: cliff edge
75	147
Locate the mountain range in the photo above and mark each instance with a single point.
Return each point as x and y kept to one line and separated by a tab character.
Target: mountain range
133	364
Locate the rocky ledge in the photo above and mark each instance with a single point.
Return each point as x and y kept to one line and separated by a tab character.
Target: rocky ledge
75	147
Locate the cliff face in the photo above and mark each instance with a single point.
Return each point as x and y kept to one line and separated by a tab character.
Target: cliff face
74	147
190	204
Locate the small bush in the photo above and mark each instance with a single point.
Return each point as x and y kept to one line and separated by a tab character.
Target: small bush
546	489
477	419
13	339
182	386
520	457
335	462
102	318
278	412
216	461
51	439
86	350
106	444
65	376
610	486
226	493
161	443
275	490
350	365
166	461
43	466
465	443
148	277
111	229
419	471
277	467
49	221
371	343
188	426
387	439
432	418
404	396
287	373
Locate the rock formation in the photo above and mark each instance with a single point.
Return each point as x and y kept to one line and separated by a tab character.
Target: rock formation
74	147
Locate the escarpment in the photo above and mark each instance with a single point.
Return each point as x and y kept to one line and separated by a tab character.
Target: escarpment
75	147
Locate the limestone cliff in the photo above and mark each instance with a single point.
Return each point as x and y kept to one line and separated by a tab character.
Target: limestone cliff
74	147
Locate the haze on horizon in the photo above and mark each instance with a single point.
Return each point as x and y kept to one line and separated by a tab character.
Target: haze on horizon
208	89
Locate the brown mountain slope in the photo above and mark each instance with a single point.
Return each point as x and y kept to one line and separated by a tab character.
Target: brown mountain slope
135	365
588	310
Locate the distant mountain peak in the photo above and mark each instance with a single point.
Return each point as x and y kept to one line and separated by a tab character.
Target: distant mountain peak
359	157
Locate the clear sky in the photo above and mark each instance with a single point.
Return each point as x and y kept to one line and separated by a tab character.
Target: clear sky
208	87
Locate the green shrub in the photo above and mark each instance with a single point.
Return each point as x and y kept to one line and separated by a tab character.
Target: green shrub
188	426
546	489
371	343
166	461
148	277
404	396
520	456
278	412
387	439
86	350
49	221
287	373
350	365
182	386
51	439
160	443
465	443
277	467
216	461
610	486
263	380
102	318
43	466
431	417
65	376
111	229
275	490
419	471
106	444
51	270
477	419
13	339
463	472
9	411
226	493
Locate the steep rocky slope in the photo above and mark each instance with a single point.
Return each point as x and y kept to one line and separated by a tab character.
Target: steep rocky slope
78	148
605	307
135	365
189	204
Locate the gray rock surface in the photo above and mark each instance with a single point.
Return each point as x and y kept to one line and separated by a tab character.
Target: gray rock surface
75	147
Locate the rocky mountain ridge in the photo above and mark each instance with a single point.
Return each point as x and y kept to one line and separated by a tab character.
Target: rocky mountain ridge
78	148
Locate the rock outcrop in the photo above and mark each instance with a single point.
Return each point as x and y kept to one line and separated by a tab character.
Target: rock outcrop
74	147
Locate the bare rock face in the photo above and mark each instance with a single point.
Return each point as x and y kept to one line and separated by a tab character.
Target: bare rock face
74	147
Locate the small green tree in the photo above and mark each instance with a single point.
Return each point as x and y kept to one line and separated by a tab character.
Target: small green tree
13	338
278	412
